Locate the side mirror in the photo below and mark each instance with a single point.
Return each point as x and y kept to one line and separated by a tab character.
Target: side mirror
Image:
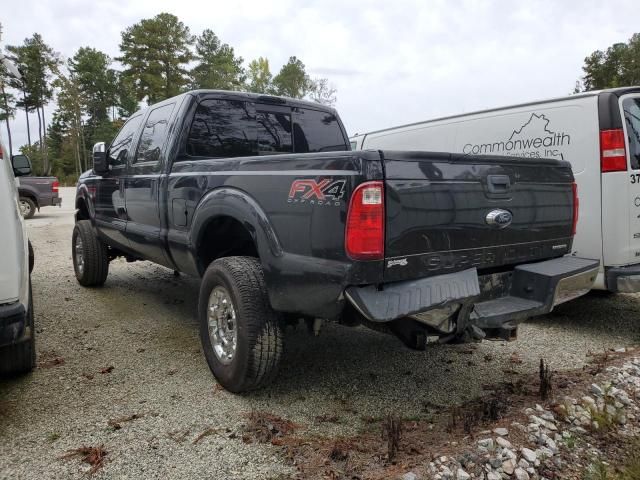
21	165
100	162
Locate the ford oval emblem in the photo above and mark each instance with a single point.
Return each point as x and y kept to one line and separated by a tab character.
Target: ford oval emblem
499	218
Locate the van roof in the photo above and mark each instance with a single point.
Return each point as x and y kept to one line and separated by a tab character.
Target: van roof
616	91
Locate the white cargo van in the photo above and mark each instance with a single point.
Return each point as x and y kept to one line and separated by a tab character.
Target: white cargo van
17	329
17	332
597	132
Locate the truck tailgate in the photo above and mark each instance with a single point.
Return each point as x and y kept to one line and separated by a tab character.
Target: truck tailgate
450	212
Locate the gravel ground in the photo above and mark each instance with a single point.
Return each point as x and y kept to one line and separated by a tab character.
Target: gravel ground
143	324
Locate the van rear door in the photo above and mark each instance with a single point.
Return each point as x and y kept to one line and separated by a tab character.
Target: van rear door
620	177
630	110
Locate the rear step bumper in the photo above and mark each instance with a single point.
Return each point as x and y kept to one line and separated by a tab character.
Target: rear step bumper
530	290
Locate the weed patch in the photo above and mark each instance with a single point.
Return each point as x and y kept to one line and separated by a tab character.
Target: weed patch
94	456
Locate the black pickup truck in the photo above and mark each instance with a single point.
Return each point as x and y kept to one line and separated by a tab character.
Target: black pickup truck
262	197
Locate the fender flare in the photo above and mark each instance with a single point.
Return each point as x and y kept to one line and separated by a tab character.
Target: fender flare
82	195
237	204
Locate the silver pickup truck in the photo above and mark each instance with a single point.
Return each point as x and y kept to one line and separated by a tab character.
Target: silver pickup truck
37	192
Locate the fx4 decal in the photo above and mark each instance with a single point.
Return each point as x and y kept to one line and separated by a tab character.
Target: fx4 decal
326	191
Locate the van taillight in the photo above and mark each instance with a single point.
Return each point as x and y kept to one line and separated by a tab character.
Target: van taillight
364	234
576	208
55	186
613	157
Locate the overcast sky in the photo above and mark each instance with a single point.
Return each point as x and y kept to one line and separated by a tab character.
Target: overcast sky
392	62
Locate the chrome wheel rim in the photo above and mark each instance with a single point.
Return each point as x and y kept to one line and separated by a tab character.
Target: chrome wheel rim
79	254
221	319
25	208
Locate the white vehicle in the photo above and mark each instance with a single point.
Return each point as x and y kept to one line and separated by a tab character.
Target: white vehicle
597	132
17	333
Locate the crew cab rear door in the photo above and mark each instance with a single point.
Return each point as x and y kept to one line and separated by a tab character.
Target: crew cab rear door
449	212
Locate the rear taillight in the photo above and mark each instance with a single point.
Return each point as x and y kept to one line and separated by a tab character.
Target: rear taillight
613	157
364	235
576	208
55	186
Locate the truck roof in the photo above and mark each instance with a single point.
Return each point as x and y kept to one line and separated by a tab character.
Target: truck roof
616	91
247	96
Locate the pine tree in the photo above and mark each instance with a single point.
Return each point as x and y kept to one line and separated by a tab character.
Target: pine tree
155	54
38	63
292	80
259	76
218	67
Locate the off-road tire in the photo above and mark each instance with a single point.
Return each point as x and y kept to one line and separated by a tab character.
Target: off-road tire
32	207
96	258
20	358
259	330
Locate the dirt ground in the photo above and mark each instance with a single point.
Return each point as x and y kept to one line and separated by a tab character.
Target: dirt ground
121	367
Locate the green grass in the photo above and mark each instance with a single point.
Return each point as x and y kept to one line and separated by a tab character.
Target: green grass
570	442
629	466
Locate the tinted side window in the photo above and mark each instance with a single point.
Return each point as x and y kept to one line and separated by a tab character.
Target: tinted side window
222	128
274	130
119	148
154	134
631	107
316	131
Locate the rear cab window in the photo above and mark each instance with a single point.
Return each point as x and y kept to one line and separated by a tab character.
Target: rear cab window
231	128
631	108
222	128
274	129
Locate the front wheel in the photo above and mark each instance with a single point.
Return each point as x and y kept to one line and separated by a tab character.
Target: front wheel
90	256
241	334
27	207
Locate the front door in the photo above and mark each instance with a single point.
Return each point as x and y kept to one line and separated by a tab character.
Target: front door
143	185
111	211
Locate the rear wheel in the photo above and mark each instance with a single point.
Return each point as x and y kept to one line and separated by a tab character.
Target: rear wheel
20	358
90	257
241	334
27	207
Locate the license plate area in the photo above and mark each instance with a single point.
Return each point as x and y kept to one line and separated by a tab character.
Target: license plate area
495	285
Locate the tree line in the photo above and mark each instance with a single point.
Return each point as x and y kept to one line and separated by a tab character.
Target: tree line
159	58
617	66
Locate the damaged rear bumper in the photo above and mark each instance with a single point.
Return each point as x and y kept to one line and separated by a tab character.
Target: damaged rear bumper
497	301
